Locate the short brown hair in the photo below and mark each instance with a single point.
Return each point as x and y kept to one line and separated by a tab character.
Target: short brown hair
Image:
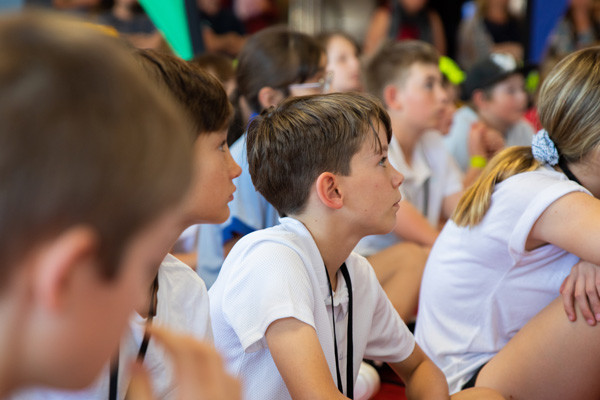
200	94
84	140
291	145
391	63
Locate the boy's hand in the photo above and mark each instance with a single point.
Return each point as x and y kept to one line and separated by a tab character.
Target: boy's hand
582	286
484	141
199	370
476	143
494	141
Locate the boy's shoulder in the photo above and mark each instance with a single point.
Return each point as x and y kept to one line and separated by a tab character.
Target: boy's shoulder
290	242
178	276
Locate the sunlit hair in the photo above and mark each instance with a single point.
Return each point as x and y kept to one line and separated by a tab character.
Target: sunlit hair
85	139
289	146
569	109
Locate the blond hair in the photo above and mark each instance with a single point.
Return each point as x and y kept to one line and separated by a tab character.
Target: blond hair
569	109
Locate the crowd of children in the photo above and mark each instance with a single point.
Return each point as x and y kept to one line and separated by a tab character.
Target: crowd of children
353	201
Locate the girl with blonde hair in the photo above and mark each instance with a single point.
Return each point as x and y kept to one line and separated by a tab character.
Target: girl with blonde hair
490	313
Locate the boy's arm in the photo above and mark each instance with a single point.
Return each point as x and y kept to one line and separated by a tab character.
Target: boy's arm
423	379
412	226
299	358
449	204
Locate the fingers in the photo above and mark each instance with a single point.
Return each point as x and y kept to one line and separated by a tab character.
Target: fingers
139	386
582	299
581	289
566	291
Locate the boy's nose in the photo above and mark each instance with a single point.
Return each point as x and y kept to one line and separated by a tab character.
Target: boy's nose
397	178
234	169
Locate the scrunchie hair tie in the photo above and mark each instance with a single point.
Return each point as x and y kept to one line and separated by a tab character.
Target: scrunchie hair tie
543	148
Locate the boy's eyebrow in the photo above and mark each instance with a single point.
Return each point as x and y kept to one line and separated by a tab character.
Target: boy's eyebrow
382	149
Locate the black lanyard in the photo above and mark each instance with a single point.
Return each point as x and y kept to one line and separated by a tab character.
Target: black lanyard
349	355
114	370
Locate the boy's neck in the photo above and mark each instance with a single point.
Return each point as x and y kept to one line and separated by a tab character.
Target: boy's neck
407	138
332	240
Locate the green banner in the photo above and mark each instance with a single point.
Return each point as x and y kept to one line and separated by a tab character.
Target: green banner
170	18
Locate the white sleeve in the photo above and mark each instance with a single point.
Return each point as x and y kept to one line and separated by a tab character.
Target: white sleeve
389	338
535	208
270	283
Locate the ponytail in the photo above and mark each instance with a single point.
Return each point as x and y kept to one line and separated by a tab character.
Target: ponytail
476	200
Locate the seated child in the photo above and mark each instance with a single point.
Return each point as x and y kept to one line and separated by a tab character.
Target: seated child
92	176
496	102
294	311
490	313
273	64
407	78
343	61
178	297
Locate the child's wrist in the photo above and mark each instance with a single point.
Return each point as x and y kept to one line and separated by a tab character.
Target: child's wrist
478	162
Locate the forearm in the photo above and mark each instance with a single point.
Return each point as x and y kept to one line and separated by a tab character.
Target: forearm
427	382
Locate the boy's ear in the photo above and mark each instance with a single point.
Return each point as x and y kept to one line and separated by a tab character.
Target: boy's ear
391	98
267	97
59	260
328	190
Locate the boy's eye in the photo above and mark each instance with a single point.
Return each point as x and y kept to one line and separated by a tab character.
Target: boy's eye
383	161
223	145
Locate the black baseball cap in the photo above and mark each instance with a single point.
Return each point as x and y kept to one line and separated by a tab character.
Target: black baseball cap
489	71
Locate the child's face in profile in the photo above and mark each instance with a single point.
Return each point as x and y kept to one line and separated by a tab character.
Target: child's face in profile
507	101
343	62
422	97
212	185
371	189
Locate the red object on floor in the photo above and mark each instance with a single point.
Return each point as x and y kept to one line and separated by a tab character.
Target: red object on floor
392	386
390	391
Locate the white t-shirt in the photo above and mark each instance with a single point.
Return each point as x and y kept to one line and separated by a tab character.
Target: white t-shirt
480	285
279	273
249	212
432	177
182	305
457	139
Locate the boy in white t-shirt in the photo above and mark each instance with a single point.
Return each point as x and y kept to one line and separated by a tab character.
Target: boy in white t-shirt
177	297
294	311
406	77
